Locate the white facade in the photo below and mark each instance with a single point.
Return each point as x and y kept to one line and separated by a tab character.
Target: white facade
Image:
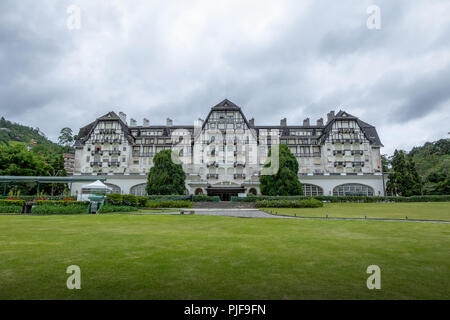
227	152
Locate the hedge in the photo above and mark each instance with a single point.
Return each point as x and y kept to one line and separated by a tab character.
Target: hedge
168	204
169	197
10	202
54	209
10	209
122	200
119	208
61	203
437	198
307	203
205	198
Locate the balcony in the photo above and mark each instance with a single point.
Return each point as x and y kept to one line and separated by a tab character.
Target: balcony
239	176
114	152
360	152
212	164
335	152
107	131
97	152
142	154
333	141
346	130
239	164
358	163
212	176
114	164
96	164
339	163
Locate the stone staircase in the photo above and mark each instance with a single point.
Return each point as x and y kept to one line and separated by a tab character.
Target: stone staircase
224	205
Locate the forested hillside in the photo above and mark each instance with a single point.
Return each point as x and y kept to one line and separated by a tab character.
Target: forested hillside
12	133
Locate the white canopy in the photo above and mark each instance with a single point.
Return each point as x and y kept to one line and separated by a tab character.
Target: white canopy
98	185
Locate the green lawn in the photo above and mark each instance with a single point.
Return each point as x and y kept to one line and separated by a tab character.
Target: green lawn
414	210
210	257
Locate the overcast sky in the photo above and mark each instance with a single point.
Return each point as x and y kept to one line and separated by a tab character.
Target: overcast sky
275	59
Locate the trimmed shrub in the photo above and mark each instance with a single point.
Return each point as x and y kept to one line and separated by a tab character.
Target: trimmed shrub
61	203
169	204
120	208
307	203
54	209
205	198
141	201
169	197
129	200
114	199
437	198
10	202
10	209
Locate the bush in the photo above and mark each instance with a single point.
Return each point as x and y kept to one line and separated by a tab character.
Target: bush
54	209
61	203
10	202
120	208
114	199
10	209
205	198
169	197
437	198
307	203
169	204
129	200
141	201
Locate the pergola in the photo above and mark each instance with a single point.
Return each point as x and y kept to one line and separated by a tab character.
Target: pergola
43	179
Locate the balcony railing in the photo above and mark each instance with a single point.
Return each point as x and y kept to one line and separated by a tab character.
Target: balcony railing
142	154
239	164
114	164
107	131
239	176
99	152
212	164
114	152
360	152
346	141
358	163
96	164
212	176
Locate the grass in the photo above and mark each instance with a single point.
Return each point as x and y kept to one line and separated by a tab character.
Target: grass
211	257
414	210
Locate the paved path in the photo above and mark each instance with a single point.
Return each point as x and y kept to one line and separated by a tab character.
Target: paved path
255	213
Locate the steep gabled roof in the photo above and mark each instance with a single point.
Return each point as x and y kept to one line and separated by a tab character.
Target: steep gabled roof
369	131
226	105
86	131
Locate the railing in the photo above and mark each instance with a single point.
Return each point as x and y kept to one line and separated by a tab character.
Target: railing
96	163
358	163
360	152
212	164
114	152
114	164
212	176
239	176
239	164
99	152
107	131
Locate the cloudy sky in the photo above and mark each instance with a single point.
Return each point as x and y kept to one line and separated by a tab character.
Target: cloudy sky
275	59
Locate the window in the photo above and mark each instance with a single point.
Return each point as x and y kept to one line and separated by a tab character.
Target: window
353	189
124	148
139	190
311	190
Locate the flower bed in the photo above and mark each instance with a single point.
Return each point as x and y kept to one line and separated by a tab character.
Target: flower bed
55	209
437	198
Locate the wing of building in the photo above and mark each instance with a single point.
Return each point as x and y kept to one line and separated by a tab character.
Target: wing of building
225	153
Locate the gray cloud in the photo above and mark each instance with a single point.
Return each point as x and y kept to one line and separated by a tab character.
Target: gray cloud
274	58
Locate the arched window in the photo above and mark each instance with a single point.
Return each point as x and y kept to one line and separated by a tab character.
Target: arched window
353	189
139	189
115	188
311	190
198	191
252	191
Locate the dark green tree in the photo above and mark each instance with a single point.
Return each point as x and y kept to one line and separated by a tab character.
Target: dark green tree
403	179
165	177
285	182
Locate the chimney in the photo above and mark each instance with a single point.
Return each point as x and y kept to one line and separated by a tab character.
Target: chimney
306	122
169	122
146	122
133	123
283	122
320	122
330	116
123	117
252	122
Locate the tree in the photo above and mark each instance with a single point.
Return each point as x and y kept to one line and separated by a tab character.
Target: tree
285	182
165	177
66	136
403	180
